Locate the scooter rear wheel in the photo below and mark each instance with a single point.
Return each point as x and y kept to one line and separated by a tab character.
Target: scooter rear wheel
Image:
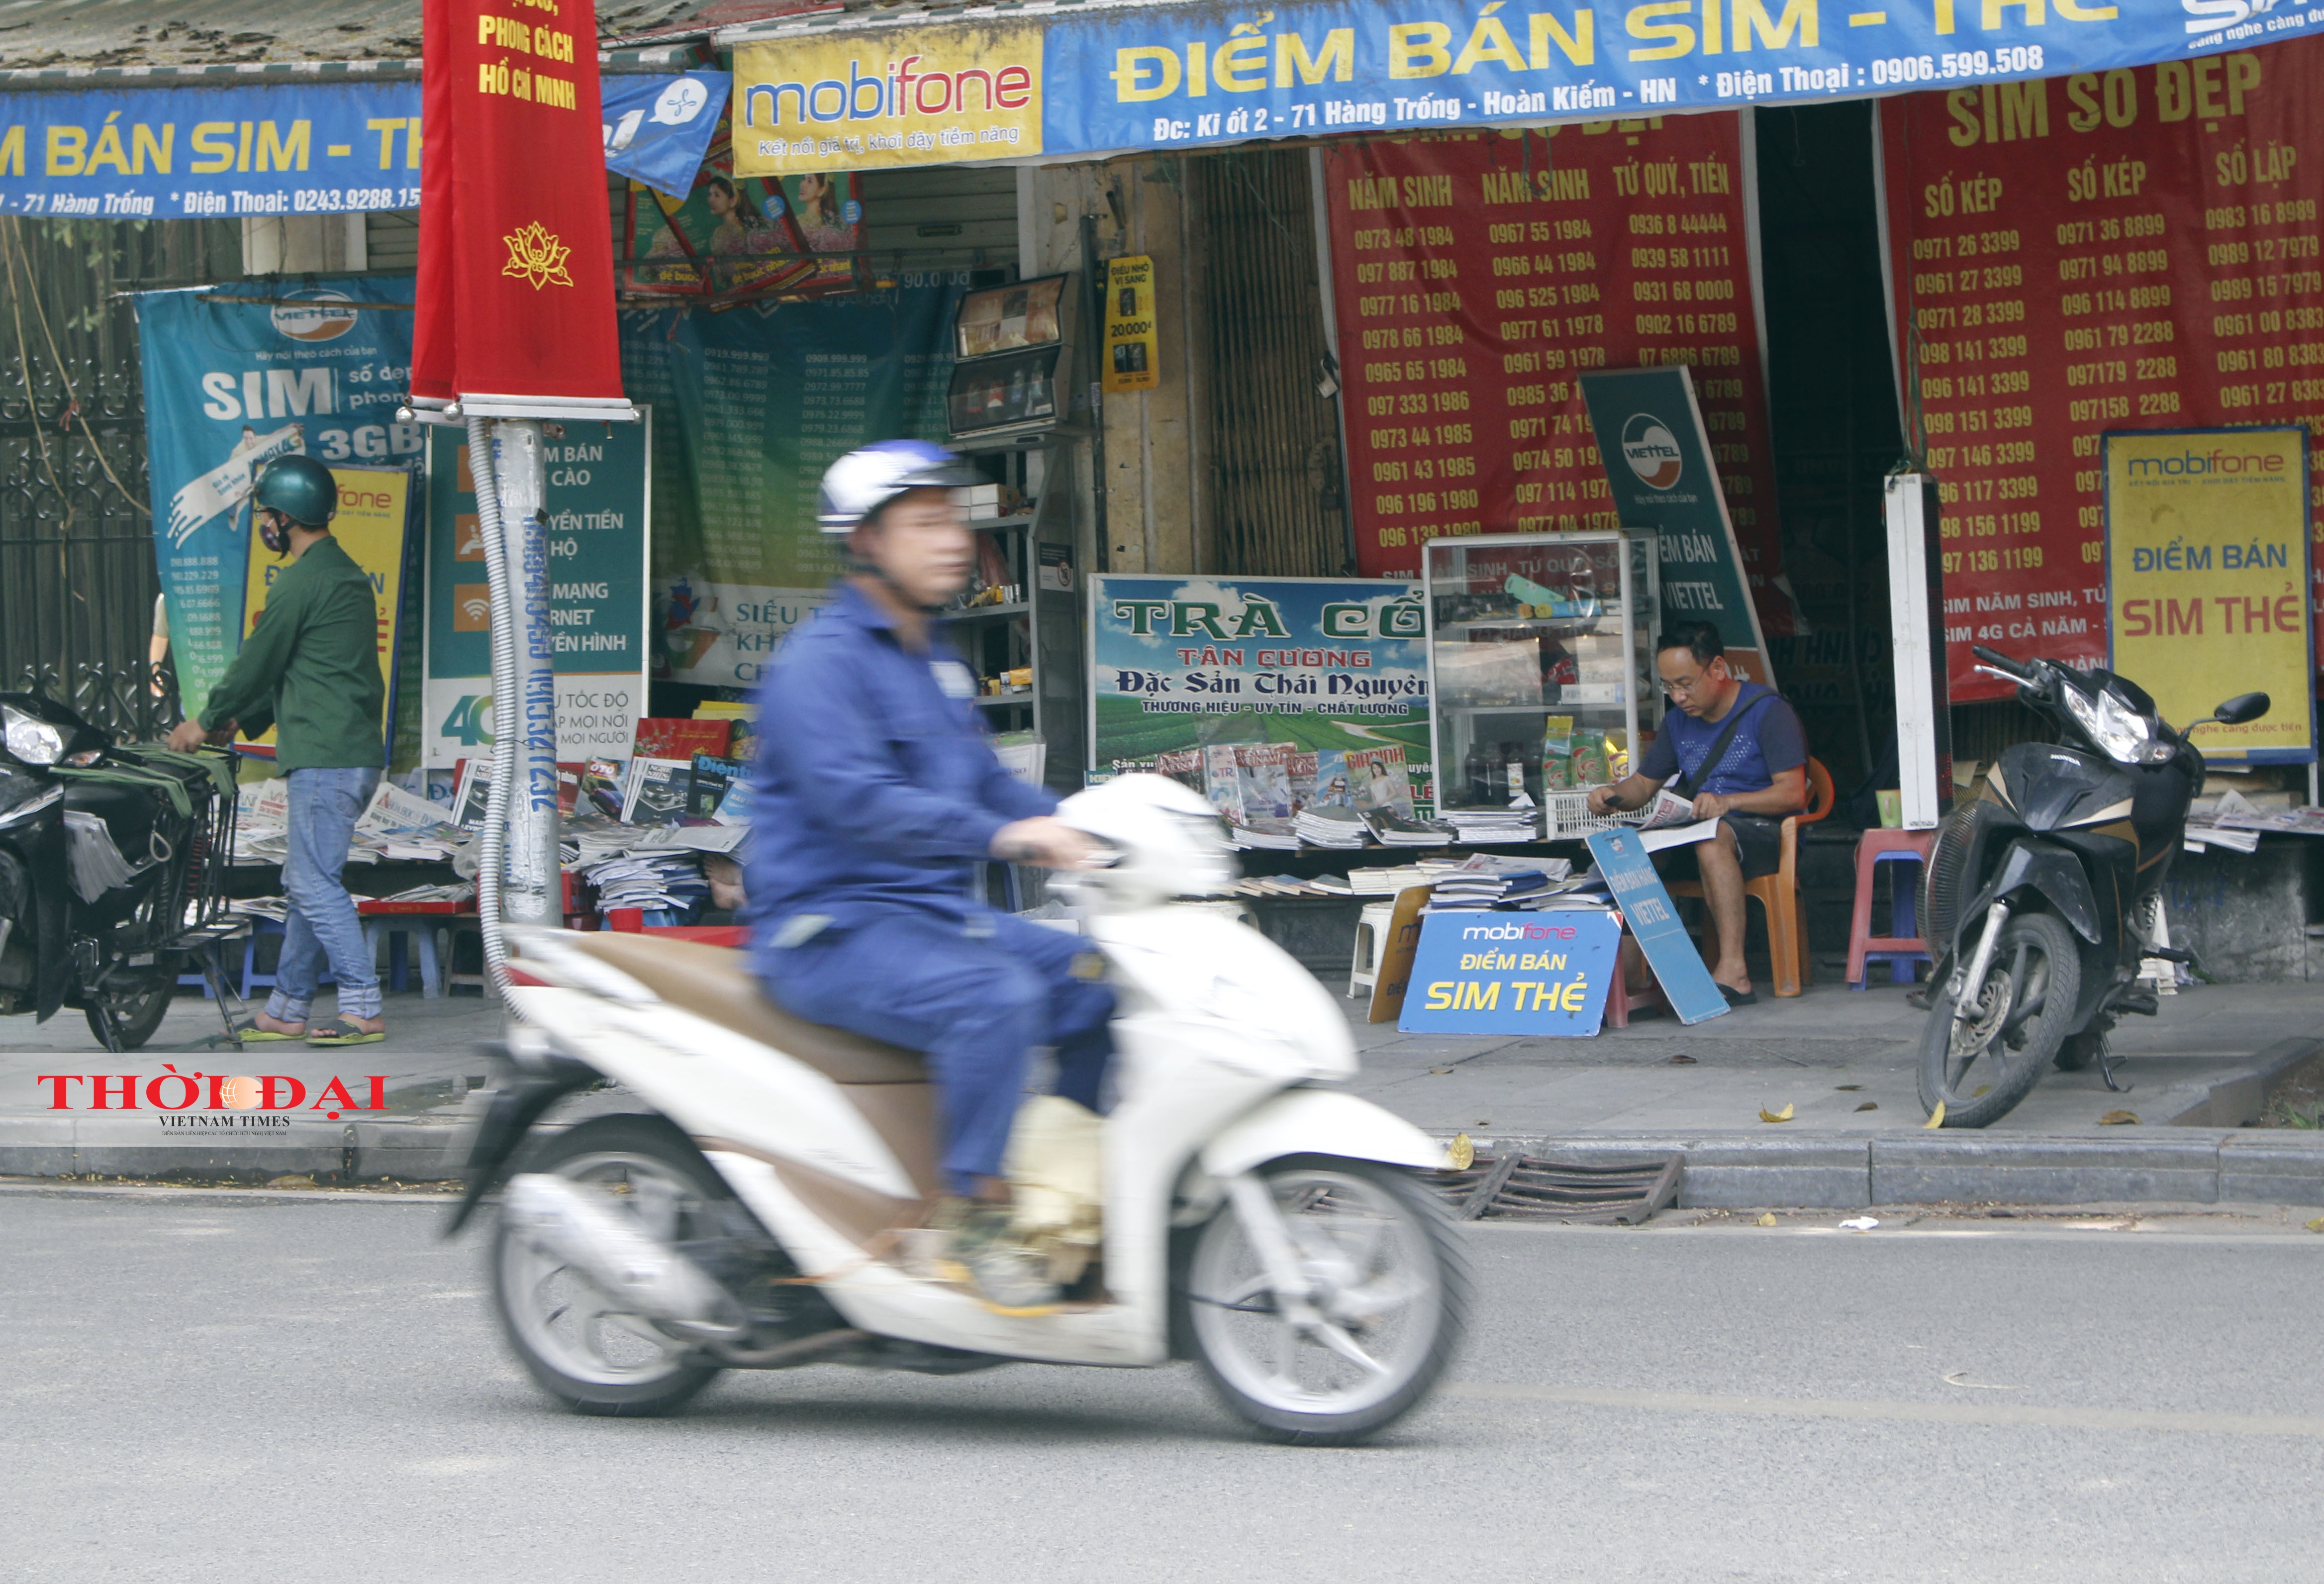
1390	1279
1983	1067
574	1340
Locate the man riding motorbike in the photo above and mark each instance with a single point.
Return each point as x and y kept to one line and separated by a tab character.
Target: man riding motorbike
876	791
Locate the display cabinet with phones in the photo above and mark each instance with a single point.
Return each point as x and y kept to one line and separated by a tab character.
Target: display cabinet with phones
1540	664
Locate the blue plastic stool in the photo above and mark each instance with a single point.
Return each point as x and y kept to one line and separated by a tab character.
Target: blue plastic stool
1902	948
251	978
401	928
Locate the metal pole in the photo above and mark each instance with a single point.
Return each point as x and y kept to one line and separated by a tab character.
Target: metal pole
531	888
492	842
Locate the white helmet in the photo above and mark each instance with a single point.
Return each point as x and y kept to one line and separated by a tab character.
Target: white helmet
863	481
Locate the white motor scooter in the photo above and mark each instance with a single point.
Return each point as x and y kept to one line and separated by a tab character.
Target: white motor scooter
769	1211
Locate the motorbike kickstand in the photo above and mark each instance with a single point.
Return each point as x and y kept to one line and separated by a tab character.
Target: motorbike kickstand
2107	1062
230	1007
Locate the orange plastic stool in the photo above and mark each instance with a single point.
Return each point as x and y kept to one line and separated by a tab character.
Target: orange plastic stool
1904	948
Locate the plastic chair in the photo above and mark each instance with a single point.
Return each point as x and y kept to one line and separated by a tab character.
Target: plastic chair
1371	929
1903	947
1778	894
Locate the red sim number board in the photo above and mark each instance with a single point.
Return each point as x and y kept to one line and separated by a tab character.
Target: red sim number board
2127	250
1476	274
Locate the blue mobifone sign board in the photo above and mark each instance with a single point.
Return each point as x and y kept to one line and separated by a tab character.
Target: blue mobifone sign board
1630	871
1540	974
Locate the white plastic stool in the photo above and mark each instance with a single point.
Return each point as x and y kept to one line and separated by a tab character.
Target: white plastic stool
1371	923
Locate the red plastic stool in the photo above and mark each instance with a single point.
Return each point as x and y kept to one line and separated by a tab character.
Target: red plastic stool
1904	948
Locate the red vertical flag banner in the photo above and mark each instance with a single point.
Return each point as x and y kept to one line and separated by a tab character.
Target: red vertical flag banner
2127	250
515	235
1475	274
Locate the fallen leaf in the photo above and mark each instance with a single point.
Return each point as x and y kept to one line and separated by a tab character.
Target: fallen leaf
1783	1115
1682	1061
1851	1088
1954	1379
1936	1118
1869	1105
1765	1221
300	1180
1982	1091
1440	1071
2316	1225
1462	1152
2119	1119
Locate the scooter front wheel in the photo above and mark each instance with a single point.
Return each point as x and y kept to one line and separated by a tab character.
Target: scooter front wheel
1388	1301
1982	1066
581	1344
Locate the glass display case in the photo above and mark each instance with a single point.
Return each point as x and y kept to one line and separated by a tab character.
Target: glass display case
1540	663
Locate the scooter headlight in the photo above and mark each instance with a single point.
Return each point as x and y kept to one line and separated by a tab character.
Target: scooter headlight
30	740
2119	729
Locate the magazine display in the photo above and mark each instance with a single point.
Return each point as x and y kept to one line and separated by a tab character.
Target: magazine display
1378	779
706	787
1266	769
656	791
1223	781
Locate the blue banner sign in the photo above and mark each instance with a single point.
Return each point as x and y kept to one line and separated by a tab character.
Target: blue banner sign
232	381
1537	973
1630	871
1161	77
320	148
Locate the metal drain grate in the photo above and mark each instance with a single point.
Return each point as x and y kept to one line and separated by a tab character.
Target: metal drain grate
1526	1188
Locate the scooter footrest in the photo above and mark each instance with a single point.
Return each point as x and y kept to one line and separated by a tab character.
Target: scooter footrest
2146	1005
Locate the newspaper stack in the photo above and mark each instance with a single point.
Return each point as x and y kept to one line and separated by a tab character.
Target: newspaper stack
1273	835
1485	826
1331	827
658	882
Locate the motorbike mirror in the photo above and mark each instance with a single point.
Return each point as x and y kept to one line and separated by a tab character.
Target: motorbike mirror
2244	706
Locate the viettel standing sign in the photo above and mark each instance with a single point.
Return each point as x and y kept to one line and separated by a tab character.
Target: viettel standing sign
516	273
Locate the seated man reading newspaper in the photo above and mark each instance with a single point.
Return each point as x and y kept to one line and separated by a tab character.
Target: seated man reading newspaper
1740	757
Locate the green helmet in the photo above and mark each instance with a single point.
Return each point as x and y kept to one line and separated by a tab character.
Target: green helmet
300	488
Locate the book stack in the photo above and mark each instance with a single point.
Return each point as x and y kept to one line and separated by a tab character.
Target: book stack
1481	827
1272	835
1401	830
1331	827
1375	882
1482	888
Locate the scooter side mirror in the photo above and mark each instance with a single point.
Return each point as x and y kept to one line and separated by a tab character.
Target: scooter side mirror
2244	706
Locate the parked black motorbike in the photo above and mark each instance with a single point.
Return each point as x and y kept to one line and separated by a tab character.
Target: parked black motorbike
111	869
2040	893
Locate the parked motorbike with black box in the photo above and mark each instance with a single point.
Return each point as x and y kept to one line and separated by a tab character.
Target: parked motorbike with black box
2040	898
111	869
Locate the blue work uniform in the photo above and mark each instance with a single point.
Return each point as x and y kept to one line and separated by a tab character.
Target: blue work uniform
876	793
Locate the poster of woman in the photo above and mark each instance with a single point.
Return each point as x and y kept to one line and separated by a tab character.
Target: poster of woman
734	237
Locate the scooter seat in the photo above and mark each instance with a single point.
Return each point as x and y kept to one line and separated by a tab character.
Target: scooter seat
716	982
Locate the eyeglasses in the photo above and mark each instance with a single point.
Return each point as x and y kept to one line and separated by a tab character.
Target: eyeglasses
1684	689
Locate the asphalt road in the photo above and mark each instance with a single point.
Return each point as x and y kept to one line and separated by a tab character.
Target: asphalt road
230	1389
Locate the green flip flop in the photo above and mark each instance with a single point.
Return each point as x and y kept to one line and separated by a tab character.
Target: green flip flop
250	1033
339	1031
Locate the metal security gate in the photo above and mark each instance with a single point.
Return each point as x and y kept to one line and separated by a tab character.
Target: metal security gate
78	579
1281	502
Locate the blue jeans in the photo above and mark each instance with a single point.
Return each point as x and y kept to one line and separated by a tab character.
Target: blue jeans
976	995
324	805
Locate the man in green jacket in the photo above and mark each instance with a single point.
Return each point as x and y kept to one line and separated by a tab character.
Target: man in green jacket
310	668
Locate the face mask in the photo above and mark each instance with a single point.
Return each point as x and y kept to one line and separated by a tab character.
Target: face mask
274	531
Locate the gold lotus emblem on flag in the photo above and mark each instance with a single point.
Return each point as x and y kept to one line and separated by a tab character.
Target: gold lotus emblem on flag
536	255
